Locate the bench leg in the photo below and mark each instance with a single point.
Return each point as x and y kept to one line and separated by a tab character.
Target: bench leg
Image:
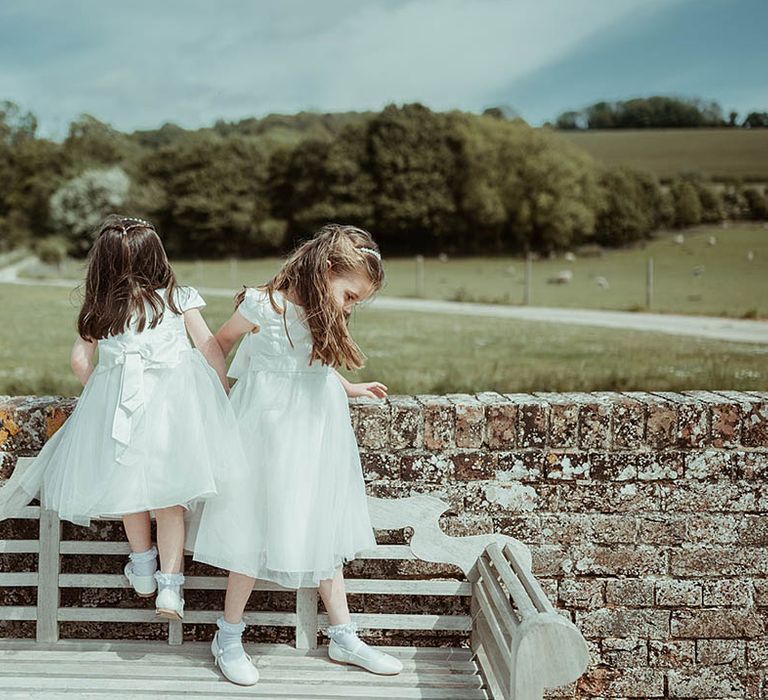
48	568
306	618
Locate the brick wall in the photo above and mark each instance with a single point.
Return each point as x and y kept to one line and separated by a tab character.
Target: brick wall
646	515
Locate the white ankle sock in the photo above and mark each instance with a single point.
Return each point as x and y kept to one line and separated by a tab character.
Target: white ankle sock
230	638
345	635
144	563
171	581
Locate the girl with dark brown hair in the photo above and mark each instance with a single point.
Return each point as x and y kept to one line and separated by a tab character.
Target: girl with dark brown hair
301	510
153	427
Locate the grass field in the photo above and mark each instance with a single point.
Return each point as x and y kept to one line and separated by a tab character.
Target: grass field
713	153
420	353
727	282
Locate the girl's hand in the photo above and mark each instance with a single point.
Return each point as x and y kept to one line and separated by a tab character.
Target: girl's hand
373	390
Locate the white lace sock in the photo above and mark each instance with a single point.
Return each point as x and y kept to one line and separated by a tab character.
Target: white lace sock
344	635
172	581
144	563
230	638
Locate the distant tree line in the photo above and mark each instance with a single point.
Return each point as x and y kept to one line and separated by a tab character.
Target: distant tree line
421	181
656	112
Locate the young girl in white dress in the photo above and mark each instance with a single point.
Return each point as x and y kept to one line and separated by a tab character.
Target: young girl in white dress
153	425
300	511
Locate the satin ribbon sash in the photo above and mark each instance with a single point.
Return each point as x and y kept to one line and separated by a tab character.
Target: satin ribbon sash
134	359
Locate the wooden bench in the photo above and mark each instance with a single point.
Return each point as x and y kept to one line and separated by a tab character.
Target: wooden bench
518	644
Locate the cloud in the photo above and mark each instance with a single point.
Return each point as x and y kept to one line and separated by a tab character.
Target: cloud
137	65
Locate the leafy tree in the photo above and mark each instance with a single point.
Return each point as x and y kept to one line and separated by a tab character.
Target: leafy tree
569	121
92	143
756	120
77	207
213	195
647	112
523	188
630	208
15	124
412	155
756	203
687	206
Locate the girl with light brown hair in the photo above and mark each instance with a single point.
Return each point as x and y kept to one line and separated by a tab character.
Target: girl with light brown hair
300	512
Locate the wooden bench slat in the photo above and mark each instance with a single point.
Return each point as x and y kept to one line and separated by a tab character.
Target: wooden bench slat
25	578
516	589
159	662
372	688
75	614
18	612
19	546
459	623
323	672
488	616
488	655
447	587
502	608
526	577
387	551
26	513
132	647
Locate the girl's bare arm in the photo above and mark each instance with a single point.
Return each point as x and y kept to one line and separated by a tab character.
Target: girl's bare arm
81	358
206	343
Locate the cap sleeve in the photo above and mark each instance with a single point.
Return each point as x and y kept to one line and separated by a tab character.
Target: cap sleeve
189	298
254	306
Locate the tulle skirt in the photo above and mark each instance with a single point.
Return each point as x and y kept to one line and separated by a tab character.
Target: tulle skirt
181	439
299	510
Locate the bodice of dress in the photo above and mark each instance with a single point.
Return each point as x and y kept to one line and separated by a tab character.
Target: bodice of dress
159	345
134	351
282	343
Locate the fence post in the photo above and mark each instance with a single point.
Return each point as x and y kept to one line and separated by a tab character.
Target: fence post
649	284
419	275
528	279
233	272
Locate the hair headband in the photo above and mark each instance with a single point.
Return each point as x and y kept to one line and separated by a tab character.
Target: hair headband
372	251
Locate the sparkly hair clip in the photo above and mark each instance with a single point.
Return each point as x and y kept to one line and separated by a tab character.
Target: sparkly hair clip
141	222
372	251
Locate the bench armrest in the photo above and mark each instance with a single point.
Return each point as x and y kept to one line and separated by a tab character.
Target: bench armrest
522	644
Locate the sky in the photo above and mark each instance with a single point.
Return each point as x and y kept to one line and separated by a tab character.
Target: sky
138	65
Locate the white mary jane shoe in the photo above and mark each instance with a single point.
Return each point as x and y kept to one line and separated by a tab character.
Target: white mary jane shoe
145	586
240	671
367	657
169	604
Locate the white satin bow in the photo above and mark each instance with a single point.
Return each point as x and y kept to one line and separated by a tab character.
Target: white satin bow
134	358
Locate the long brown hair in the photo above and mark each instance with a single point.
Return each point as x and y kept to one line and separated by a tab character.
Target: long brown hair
306	274
126	266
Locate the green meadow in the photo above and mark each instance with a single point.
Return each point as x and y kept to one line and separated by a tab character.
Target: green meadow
714	153
714	271
421	353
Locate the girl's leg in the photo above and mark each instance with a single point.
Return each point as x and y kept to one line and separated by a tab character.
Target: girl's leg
170	538
227	645
170	542
142	564
334	597
138	532
239	589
